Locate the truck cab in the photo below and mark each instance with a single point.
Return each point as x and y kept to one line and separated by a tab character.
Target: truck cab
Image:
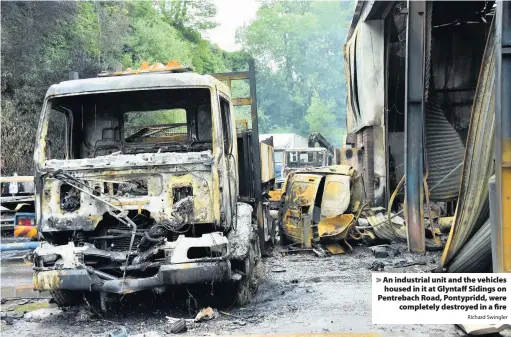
299	158
137	185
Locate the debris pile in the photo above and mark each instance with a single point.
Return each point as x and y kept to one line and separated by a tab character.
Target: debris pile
121	332
391	227
29	309
373	227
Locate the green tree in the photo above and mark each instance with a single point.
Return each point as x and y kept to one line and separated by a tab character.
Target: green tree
297	46
43	41
32	38
298	49
198	15
155	41
321	116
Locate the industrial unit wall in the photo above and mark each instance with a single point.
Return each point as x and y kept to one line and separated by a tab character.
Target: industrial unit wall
416	94
364	69
375	67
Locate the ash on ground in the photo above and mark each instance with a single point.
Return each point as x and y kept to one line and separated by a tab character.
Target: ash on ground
298	293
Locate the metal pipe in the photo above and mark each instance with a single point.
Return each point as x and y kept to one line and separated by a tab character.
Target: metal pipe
256	151
102	274
19	246
391	201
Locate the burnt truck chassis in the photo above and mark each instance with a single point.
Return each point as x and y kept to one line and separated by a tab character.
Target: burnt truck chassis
146	258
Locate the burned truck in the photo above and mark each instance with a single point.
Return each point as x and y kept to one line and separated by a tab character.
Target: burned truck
139	185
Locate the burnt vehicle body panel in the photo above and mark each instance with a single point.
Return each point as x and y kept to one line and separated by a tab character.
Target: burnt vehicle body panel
318	204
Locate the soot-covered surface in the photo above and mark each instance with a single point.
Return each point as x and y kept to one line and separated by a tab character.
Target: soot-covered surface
297	294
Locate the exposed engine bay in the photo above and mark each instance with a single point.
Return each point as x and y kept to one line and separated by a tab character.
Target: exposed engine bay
126	222
136	244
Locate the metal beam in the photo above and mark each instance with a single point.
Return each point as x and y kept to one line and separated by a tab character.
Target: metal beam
257	153
17	179
501	214
255	130
414	126
242	75
242	101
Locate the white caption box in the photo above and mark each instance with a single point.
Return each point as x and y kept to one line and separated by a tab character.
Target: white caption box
430	298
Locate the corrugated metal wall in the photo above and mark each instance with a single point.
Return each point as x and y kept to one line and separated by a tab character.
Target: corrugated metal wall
475	256
444	152
478	166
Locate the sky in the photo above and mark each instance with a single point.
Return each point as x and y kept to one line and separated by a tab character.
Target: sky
231	15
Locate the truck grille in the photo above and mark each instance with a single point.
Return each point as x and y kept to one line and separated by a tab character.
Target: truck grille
119	235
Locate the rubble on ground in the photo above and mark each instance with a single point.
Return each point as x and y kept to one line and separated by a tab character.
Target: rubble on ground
176	326
120	332
147	334
297	296
377	266
383	251
206	314
43	313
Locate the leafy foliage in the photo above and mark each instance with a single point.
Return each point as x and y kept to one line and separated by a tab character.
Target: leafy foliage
298	48
43	41
195	15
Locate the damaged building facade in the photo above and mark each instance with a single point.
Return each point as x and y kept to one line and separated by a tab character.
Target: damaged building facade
141	184
428	110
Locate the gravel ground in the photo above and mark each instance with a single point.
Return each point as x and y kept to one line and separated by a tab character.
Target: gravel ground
298	293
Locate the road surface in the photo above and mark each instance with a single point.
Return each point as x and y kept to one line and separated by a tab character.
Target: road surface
298	294
16	275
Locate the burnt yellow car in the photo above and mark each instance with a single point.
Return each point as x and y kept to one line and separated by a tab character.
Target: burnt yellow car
319	204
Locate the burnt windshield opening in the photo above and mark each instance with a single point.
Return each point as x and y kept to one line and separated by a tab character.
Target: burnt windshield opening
165	120
304	159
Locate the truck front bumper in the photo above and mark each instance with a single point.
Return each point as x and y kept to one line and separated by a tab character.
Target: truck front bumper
71	271
171	274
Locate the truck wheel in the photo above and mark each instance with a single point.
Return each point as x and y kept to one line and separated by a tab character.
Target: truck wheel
108	302
275	232
66	298
248	285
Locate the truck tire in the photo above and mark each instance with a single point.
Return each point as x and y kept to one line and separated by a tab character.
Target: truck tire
275	232
247	286
66	298
245	258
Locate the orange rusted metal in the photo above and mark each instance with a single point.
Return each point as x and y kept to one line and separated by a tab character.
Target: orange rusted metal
145	67
303	193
